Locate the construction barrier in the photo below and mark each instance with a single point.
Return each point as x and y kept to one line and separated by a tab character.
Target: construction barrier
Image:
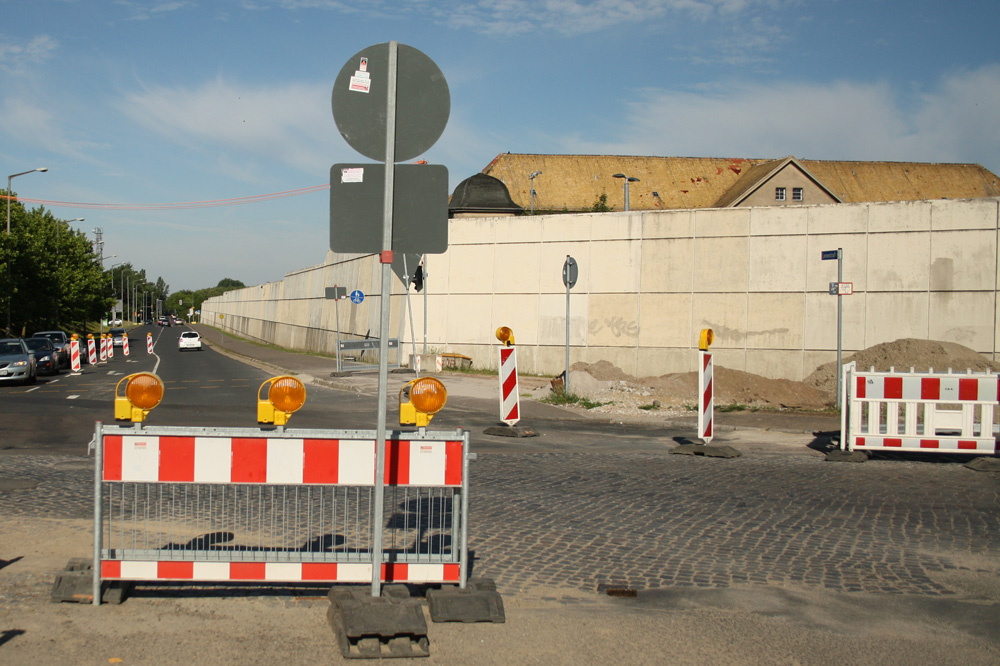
243	504
125	344
149	343
91	349
510	412
706	396
111	347
74	354
104	348
919	411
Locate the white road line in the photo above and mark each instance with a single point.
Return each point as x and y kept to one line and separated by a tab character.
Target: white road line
72	397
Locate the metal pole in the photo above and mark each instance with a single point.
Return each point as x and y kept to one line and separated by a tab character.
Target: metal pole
409	310
336	309
566	384
98	511
840	321
383	361
626	193
425	303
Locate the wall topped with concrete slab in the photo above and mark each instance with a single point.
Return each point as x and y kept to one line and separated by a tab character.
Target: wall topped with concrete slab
649	281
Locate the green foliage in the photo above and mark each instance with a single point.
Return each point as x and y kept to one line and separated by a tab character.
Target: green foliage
563	398
601	204
182	301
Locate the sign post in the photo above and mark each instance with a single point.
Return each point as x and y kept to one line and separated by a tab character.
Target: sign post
570	273
838	254
337	294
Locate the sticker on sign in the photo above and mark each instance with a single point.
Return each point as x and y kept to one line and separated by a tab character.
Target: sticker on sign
841	288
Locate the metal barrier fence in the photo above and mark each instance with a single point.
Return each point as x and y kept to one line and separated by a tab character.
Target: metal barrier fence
277	506
354	355
919	411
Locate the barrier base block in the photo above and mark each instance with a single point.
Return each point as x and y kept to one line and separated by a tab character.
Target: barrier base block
75	583
368	627
707	450
478	602
839	455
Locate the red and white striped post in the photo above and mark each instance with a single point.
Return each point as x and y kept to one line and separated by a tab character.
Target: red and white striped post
149	343
111	347
74	354
706	387
104	348
125	343
510	409
91	349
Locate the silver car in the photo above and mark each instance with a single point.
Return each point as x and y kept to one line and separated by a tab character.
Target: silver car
17	362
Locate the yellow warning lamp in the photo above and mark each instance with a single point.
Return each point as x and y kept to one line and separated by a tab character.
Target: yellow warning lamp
420	399
142	392
90	336
706	339
506	336
284	396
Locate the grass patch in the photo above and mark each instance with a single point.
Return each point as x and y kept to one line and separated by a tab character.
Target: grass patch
563	398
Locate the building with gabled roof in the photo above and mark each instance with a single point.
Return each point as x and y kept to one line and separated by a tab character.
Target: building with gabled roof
576	182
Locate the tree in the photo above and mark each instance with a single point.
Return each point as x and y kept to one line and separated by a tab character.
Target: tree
601	204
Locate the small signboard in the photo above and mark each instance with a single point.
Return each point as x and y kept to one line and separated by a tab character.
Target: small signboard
830	254
357	296
336	293
841	288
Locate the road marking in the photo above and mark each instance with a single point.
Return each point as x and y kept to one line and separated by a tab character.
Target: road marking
72	397
33	389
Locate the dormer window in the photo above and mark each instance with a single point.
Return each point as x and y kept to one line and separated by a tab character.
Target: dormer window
779	194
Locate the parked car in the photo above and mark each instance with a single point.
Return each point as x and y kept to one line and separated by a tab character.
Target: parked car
189	340
61	342
46	361
117	336
17	362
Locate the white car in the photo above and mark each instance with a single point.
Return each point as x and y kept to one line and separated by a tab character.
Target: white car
189	340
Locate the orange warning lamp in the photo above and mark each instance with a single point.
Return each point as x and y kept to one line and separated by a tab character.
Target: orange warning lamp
143	392
706	339
420	399
284	396
506	336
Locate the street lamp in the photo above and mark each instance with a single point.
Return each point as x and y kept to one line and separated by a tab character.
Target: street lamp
531	177
10	275
10	196
628	179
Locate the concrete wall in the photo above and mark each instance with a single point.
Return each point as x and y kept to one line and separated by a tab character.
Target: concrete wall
650	281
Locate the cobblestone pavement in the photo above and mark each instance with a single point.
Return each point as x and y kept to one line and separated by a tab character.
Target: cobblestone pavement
652	520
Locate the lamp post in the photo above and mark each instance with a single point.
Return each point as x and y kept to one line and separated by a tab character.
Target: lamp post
113	294
628	179
531	177
10	275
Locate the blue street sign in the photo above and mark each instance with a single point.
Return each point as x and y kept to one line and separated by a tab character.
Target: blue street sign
357	296
831	254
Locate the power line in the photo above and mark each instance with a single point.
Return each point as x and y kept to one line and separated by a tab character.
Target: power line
213	203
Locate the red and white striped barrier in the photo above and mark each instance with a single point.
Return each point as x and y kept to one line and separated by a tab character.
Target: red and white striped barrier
149	343
174	459
706	396
111	347
104	348
91	350
74	355
919	411
306	486
125	344
277	572
510	408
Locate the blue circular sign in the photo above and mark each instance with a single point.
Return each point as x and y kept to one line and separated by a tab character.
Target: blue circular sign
357	296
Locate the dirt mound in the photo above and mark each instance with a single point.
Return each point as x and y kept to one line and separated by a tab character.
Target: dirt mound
732	387
921	355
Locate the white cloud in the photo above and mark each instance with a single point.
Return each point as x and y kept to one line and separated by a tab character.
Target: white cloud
953	122
229	123
16	58
34	125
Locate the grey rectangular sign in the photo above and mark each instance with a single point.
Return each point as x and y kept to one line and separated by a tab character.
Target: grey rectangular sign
371	343
336	293
419	208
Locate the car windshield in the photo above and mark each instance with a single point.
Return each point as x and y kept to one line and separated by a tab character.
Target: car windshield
39	343
8	348
118	331
189	334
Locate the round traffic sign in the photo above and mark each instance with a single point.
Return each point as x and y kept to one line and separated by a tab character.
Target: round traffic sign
357	296
360	96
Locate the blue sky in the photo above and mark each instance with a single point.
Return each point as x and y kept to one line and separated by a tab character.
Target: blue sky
132	103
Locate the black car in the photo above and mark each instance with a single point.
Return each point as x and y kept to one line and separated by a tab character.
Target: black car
61	342
46	358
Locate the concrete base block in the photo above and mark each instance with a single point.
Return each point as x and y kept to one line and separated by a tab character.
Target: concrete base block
706	450
383	627
984	464
839	455
478	602
75	583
